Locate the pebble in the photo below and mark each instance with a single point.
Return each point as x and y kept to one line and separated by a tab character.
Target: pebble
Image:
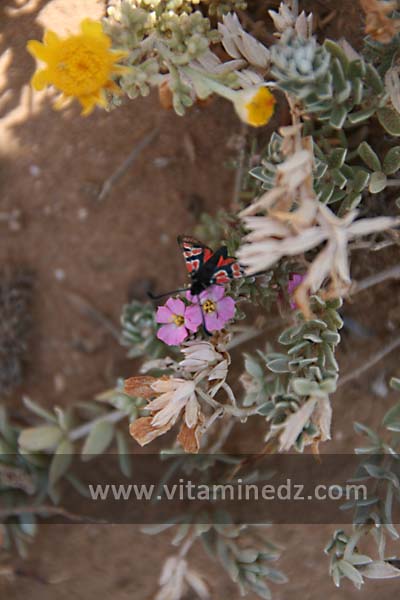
34	170
59	274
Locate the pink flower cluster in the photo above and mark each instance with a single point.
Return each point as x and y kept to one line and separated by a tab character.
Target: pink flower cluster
211	308
295	280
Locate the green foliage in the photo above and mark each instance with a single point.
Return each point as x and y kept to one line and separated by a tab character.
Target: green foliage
247	565
373	516
139	329
161	37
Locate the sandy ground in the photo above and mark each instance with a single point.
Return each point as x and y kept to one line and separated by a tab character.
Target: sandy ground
52	167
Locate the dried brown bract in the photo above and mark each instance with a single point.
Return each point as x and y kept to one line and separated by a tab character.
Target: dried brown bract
378	24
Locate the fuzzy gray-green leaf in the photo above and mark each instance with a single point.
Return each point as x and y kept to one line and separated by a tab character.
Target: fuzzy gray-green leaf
44	437
369	156
61	461
390	120
378	182
98	440
391	162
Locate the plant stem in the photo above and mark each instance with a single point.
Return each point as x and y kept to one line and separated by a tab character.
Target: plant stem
234	411
83	430
14	511
364	284
370	363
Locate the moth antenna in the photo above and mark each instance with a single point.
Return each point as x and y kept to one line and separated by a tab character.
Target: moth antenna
153	297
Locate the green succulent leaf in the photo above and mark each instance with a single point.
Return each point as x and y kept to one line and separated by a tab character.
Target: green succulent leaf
98	440
369	156
378	182
390	120
44	437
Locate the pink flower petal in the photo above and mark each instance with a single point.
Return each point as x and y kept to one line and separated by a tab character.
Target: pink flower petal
164	315
193	299
204	295
176	306
226	308
216	292
294	281
182	334
171	334
193	317
214	322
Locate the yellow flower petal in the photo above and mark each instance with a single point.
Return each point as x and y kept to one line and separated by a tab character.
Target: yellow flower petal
38	50
80	66
90	27
51	39
40	80
255	105
119	55
62	101
88	103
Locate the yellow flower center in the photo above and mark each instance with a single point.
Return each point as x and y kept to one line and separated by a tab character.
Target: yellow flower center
178	320
260	108
81	67
209	306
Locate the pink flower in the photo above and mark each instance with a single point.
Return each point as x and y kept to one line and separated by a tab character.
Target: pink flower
217	308
294	281
177	324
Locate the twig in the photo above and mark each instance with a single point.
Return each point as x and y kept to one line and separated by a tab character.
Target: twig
229	393
243	337
111	181
88	310
226	428
364	284
83	430
234	411
370	363
237	187
14	511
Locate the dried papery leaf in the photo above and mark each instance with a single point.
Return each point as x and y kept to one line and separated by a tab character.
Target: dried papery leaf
198	585
189	438
140	387
295	424
378	24
239	44
322	417
144	432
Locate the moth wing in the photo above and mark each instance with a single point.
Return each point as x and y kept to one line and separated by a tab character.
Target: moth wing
226	270
195	253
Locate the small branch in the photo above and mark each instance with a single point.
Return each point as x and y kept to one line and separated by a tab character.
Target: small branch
229	393
364	284
15	511
370	363
112	180
226	428
234	411
83	430
237	188
244	337
86	309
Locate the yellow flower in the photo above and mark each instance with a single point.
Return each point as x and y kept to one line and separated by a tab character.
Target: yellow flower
254	105
79	66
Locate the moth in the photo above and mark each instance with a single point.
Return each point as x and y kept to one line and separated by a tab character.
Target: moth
205	266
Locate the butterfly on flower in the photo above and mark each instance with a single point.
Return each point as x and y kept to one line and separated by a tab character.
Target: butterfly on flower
205	266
